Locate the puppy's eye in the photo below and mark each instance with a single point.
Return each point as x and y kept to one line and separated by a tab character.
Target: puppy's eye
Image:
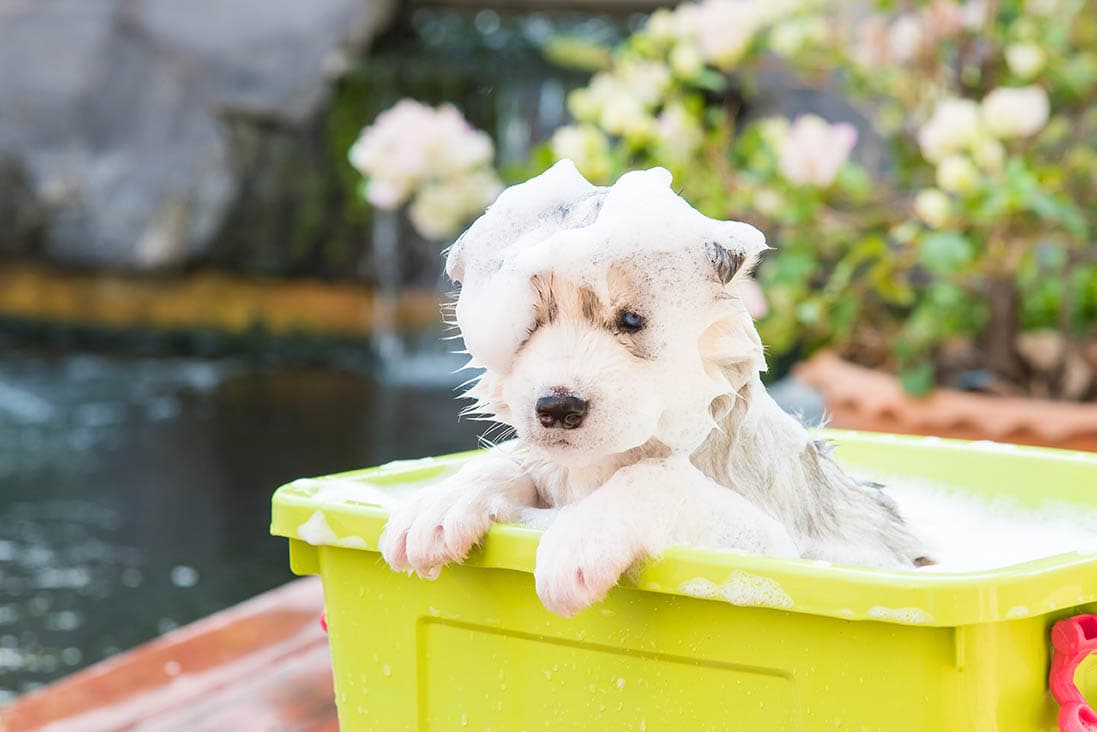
630	322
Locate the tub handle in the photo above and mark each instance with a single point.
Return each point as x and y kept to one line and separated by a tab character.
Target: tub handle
1074	639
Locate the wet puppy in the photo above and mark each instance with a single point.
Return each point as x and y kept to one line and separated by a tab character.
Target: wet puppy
613	341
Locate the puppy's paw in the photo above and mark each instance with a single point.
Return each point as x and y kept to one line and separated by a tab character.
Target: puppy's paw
579	560
438	526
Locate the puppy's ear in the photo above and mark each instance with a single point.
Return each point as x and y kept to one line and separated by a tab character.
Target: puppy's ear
735	250
725	262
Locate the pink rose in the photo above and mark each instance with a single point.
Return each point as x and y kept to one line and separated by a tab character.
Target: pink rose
814	151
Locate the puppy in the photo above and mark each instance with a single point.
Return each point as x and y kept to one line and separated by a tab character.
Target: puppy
612	339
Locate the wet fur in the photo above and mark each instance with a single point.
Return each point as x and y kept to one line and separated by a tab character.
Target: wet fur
758	481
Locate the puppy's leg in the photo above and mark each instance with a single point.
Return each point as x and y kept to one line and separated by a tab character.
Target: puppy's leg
442	523
636	514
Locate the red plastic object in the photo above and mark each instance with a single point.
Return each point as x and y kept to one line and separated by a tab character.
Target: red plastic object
1074	639
324	620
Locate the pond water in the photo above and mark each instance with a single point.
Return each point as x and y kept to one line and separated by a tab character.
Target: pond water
135	492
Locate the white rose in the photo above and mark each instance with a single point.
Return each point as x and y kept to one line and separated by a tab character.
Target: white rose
768	201
933	207
661	25
387	193
953	126
585	146
441	208
584	105
646	81
906	36
774	131
1015	111
956	173
973	14
989	154
1025	59
629	119
624	107
686	60
723	28
787	38
679	132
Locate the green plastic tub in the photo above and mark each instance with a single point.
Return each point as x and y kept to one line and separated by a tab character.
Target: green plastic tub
836	648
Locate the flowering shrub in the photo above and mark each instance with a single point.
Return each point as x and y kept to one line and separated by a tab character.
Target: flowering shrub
430	157
965	255
968	256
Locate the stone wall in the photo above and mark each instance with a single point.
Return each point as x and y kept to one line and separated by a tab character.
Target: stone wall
135	134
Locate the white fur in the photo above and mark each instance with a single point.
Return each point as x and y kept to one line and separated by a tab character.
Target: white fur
681	444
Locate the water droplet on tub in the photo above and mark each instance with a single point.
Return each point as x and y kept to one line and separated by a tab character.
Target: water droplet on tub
387	670
464	719
620	683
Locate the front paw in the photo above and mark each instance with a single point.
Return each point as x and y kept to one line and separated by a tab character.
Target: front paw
579	561
435	528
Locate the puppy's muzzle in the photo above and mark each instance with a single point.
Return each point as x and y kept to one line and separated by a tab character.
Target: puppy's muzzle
565	411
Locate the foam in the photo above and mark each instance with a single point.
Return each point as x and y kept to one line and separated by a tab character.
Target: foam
740	588
963	532
968	533
560	224
905	615
317	532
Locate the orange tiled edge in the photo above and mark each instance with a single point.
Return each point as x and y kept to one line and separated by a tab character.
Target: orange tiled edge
263	664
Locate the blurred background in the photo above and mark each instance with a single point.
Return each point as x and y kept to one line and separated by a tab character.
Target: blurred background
221	227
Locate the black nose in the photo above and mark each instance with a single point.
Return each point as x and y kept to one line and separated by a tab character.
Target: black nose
561	410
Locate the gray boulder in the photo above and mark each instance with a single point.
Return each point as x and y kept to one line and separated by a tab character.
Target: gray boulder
124	117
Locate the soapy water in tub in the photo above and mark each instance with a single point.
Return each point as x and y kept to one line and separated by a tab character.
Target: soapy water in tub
965	532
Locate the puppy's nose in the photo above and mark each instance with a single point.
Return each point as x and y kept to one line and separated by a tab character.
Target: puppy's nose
561	410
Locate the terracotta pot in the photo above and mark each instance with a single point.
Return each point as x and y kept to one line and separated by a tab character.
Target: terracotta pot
865	399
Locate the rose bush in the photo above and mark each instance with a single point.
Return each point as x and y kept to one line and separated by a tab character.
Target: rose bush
965	254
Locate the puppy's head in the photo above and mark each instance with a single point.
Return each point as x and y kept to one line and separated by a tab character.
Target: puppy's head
604	318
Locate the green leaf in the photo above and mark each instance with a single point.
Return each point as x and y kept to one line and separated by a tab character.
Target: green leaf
574	52
945	252
710	80
918	378
1056	209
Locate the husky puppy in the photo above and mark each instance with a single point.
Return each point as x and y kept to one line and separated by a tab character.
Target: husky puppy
613	341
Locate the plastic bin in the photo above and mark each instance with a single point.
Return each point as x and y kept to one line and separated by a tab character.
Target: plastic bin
838	648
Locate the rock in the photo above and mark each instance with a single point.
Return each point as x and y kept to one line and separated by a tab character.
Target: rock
121	112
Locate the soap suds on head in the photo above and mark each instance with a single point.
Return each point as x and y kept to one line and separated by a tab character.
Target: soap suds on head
547	271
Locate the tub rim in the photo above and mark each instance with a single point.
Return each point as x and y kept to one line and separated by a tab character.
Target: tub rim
908	597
